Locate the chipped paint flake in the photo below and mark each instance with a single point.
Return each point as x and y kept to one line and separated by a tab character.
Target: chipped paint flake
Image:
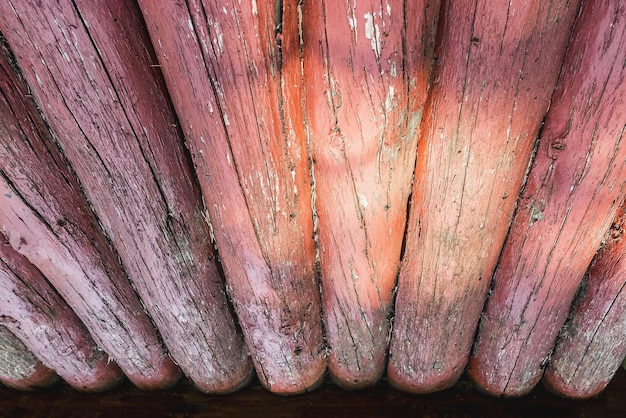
372	32
362	200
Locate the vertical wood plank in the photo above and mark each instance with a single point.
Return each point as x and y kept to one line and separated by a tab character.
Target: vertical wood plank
81	60
592	344
573	191
232	69
366	71
59	234
36	314
497	65
19	368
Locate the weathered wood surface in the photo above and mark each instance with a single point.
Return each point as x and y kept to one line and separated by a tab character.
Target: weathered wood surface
19	368
573	191
592	344
493	80
35	313
89	66
234	76
45	216
366	74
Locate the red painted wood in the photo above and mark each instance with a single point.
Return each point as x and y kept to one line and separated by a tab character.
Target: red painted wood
234	79
89	67
37	315
494	75
19	368
48	220
592	344
573	191
366	71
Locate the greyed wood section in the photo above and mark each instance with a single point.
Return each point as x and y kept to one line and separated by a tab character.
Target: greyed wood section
33	311
115	128
45	217
493	79
366	71
19	368
233	73
571	197
592	344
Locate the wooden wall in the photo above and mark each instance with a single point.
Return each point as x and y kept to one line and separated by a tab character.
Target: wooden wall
408	189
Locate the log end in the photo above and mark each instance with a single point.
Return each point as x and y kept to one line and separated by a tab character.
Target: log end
364	375
421	383
307	382
164	375
233	383
493	382
555	383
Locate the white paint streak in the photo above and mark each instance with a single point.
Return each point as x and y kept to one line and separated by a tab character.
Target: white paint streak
362	200
389	103
293	179
372	32
254	9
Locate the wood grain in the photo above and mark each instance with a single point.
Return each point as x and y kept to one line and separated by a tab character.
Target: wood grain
366	74
574	189
493	80
592	344
44	214
233	71
89	68
36	314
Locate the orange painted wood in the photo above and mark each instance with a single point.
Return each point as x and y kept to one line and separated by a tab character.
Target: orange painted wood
570	199
19	368
89	67
496	67
45	216
234	76
592	344
32	310
366	72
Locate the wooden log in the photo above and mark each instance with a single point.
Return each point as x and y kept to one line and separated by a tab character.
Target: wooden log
233	71
570	199
492	84
592	344
33	311
19	368
59	233
89	66
366	72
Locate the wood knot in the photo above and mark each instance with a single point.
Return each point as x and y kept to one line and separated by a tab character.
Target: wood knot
557	146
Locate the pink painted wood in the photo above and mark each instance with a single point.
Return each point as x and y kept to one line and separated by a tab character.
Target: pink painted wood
234	74
592	343
366	72
19	368
573	191
493	80
36	314
48	220
89	66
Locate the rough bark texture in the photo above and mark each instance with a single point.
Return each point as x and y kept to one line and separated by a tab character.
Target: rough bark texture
570	199
366	72
592	344
234	74
36	314
493	81
47	219
19	368
89	67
